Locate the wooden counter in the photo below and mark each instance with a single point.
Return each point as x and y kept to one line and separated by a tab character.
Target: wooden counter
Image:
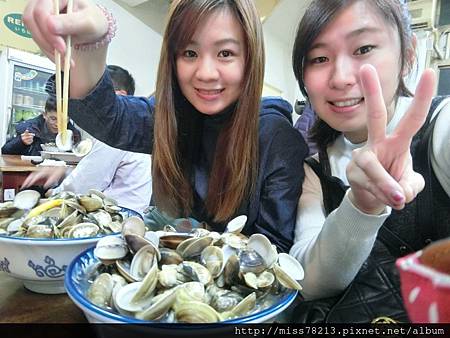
19	305
13	163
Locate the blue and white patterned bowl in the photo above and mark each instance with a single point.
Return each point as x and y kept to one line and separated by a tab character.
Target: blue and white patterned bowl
42	263
77	284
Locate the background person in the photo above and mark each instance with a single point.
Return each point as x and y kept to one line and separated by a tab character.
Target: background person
361	209
217	150
30	134
122	175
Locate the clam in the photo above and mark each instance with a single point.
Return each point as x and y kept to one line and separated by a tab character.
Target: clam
91	203
261	244
110	249
70	220
115	226
101	290
231	271
245	305
168	276
159	307
196	312
173	240
190	291
225	300
4	223
195	247
14	226
137	296
288	271
40	231
236	224
53	213
212	258
200	232
135	243
169	256
26	199
143	261
265	280
251	280
133	225
96	193
123	267
236	241
102	218
122	299
82	230
7	209
148	285
74	205
119	282
251	261
195	272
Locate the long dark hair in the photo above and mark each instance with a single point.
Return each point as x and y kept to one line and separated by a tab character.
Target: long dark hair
234	171
317	16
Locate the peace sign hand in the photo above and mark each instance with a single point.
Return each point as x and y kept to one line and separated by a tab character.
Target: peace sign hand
381	172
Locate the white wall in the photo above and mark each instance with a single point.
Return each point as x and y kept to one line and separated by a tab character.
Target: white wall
135	47
279	34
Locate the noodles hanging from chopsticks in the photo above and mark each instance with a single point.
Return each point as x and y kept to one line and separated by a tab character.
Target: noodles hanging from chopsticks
62	105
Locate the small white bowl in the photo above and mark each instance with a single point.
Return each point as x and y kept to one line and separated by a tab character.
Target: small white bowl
41	263
77	284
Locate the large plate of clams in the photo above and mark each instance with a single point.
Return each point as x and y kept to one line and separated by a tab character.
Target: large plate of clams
171	277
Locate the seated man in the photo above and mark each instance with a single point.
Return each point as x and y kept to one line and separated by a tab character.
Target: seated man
32	133
122	175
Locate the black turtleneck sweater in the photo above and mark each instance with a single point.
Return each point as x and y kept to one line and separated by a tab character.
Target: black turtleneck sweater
126	122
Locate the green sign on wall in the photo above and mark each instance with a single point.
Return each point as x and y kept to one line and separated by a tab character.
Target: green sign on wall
15	24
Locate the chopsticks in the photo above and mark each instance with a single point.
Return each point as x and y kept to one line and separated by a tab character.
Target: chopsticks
62	103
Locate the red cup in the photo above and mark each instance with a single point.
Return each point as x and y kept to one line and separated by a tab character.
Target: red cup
425	291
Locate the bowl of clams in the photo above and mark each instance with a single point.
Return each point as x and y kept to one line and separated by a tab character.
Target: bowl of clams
201	276
39	238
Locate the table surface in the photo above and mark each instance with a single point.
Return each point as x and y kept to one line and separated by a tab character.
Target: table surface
19	305
15	163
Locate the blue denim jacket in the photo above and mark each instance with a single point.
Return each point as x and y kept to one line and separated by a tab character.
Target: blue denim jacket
126	122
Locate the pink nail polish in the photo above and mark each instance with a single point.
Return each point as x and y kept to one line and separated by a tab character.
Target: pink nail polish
397	196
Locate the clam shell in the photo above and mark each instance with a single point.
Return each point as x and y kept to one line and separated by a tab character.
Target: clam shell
172	241
133	225
26	199
101	290
196	312
143	261
261	244
159	308
82	230
236	224
91	203
110	249
123	298
212	258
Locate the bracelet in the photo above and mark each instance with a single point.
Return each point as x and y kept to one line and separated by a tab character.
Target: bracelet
105	39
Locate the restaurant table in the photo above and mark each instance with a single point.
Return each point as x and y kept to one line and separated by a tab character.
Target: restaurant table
19	305
13	171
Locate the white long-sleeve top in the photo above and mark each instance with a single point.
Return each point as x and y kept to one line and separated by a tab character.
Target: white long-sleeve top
332	249
121	175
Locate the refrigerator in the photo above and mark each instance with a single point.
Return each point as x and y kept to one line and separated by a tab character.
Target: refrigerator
22	88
